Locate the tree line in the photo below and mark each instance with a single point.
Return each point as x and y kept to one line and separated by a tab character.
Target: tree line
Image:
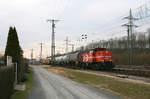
140	43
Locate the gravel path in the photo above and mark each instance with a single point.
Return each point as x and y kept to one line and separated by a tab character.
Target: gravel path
49	85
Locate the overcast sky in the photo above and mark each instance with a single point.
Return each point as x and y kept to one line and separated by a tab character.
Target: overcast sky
77	17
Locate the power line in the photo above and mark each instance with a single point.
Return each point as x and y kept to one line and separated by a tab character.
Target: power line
142	12
72	47
31	56
41	46
67	41
53	38
130	25
62	6
67	44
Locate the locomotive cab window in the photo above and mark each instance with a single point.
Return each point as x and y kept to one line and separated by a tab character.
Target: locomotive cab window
99	49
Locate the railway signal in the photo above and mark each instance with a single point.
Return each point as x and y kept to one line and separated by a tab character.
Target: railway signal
84	38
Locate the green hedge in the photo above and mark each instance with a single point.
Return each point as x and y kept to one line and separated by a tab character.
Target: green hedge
7	77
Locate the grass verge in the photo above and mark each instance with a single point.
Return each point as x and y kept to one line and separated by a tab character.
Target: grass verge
125	90
29	83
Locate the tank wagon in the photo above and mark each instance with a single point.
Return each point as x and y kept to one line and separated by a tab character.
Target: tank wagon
97	58
46	61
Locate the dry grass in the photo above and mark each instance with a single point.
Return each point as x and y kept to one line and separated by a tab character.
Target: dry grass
57	71
125	90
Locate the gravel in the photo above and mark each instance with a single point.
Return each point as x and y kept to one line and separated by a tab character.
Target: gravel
49	85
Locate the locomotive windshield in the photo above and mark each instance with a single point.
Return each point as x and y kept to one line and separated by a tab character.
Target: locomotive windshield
99	49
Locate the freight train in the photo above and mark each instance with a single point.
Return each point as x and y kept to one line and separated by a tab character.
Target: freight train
97	58
46	61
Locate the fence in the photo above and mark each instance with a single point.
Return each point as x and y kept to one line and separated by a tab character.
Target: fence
7	78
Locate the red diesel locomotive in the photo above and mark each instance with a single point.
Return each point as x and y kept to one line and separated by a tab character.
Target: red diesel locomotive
97	58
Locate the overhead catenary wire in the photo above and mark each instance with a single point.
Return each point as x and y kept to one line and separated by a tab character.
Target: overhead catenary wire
111	28
53	21
41	49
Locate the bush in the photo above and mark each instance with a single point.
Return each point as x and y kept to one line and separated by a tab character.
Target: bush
7	78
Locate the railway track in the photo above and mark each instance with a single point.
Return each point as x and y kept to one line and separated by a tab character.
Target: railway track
141	67
125	71
133	75
135	72
130	78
